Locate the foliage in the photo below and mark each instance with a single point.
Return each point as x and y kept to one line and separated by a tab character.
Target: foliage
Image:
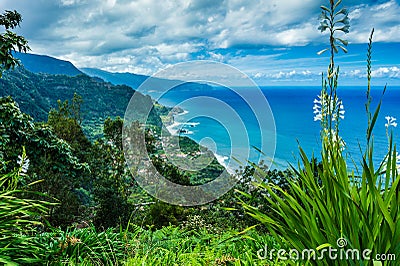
226	213
315	212
170	171
113	130
66	123
173	246
112	182
10	41
51	160
169	245
84	246
100	191
163	214
18	217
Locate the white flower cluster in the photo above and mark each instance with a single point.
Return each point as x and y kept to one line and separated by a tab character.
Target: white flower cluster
323	106
23	162
318	108
391	121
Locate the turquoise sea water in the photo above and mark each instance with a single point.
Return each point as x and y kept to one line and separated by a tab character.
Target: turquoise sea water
292	109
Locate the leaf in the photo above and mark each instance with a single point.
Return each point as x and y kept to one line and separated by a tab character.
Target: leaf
8	262
374	118
326	245
322	51
345	42
323	25
345	29
243	193
323	16
325	8
228	209
343	11
335	48
337	4
258	149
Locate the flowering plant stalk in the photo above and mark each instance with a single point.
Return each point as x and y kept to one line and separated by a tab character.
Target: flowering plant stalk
328	107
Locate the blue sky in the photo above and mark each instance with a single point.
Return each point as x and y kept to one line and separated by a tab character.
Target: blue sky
274	42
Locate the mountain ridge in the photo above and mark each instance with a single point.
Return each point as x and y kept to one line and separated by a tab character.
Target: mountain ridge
44	64
47	64
117	78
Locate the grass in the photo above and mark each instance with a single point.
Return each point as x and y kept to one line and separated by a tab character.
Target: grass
170	245
18	219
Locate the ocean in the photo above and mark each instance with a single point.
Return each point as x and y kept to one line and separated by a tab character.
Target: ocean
223	121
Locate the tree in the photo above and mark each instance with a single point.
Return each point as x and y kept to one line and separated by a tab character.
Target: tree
66	123
51	160
9	41
111	178
113	131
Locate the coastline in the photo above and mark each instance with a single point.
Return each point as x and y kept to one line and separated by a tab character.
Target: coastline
173	128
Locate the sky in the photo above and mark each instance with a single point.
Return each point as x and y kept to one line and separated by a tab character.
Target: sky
275	42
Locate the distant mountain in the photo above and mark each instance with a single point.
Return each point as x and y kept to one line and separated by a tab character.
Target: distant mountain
46	64
153	85
129	79
38	93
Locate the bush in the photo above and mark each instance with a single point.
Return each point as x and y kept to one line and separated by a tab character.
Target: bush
163	214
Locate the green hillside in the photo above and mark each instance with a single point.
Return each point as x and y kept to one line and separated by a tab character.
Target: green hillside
38	93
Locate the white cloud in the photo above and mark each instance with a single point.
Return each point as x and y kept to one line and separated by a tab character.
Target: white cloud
355	73
384	6
383	17
285	74
391	72
69	3
147	35
380	72
301	35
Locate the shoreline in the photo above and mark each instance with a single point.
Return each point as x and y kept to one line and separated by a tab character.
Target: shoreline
173	128
174	132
